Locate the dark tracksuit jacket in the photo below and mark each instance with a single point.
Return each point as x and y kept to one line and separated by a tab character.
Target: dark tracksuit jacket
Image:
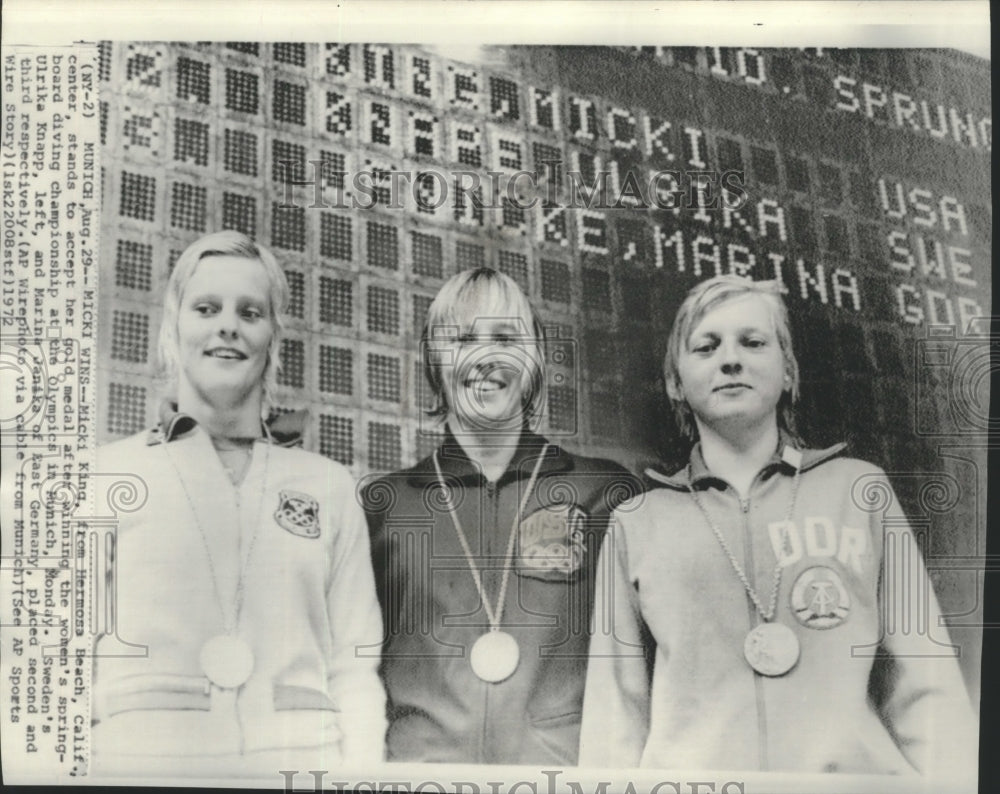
438	709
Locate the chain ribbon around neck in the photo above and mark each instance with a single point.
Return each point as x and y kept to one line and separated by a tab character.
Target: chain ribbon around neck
229	622
768	614
495	616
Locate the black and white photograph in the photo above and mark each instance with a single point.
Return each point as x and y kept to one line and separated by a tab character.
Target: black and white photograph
497	397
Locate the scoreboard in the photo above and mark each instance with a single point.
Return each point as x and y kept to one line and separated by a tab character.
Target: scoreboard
867	194
606	181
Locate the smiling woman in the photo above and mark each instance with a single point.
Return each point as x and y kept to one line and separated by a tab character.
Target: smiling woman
484	659
245	577
484	348
225	328
225	292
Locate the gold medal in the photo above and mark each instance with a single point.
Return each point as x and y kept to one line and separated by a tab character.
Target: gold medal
494	656
771	649
226	660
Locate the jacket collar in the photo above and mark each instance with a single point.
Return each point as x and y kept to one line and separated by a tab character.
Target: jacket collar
455	463
283	430
786	458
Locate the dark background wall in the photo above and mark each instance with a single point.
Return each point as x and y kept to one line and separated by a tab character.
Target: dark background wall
867	191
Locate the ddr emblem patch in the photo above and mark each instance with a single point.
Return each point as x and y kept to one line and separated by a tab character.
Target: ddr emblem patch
298	513
819	598
552	540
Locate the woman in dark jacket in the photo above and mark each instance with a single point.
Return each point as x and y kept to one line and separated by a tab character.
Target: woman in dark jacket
484	552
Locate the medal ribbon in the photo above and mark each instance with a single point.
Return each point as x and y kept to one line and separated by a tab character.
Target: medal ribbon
767	615
228	624
497	616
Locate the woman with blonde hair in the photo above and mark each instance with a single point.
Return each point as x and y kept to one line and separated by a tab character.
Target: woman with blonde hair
246	574
484	551
749	610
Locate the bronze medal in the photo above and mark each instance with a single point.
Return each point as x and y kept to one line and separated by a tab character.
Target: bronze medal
494	656
772	649
226	660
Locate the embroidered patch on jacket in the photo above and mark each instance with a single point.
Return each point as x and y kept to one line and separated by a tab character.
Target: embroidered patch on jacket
298	513
819	598
552	540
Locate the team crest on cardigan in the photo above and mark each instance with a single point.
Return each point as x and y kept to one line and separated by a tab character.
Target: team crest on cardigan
552	540
298	513
819	598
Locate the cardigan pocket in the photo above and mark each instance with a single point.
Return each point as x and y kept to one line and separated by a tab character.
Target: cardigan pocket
156	691
289	697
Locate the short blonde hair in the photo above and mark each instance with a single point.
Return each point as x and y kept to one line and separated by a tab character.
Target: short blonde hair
483	292
226	243
704	297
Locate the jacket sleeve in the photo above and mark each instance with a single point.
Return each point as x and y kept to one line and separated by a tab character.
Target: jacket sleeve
356	626
615	719
923	699
376	498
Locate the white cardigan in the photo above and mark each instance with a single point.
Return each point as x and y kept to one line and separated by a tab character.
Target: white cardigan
309	608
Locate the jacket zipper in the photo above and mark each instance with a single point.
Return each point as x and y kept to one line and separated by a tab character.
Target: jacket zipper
758	683
492	496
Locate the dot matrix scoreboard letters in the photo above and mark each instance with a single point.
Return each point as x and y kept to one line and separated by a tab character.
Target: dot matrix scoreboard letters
858	178
606	182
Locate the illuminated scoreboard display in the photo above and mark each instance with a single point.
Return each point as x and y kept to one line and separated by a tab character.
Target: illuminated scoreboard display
605	181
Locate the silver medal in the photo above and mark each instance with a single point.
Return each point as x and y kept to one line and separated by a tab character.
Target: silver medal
226	660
